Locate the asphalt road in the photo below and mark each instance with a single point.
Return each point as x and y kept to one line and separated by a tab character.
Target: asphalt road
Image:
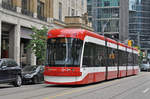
133	87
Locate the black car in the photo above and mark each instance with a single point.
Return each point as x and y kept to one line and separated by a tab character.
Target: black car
33	74
10	72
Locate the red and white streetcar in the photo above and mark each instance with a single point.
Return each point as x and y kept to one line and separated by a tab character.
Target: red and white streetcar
77	56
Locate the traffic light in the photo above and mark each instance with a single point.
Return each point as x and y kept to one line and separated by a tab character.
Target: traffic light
144	54
130	43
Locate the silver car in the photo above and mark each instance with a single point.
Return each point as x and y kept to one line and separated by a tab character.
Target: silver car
145	67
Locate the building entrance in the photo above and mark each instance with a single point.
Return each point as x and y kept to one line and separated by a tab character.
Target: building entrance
6	32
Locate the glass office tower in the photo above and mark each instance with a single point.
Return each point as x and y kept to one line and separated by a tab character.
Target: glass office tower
139	24
106	15
124	19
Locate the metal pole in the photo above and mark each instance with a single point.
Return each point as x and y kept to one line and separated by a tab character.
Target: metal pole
139	40
104	26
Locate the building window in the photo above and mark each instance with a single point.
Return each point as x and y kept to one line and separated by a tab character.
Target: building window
72	12
8	4
82	3
40	7
60	11
40	11
24	4
26	10
8	1
106	3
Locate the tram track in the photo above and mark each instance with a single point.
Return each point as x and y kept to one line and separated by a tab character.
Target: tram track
55	92
129	89
112	85
21	91
47	91
39	88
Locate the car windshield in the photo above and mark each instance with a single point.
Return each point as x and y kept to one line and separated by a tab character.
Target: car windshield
29	68
64	52
145	65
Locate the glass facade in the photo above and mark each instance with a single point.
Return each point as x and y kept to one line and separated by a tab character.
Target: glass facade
104	3
139	23
132	4
104	15
89	9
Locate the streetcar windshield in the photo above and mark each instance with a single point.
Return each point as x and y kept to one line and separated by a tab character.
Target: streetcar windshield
64	52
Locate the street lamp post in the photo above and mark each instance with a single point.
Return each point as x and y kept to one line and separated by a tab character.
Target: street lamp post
139	40
105	25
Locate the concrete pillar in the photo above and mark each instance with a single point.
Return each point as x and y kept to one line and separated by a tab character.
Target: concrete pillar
11	43
124	20
0	1
0	4
21	54
22	48
18	4
0	36
14	43
50	11
17	43
28	56
31	58
34	8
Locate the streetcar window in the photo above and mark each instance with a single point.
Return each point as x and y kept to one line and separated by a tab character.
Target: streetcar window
100	56
88	55
64	52
94	55
122	58
130	59
135	59
112	57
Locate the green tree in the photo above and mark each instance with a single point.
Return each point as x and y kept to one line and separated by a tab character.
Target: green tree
38	43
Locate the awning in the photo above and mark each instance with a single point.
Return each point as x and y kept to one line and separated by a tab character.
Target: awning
25	33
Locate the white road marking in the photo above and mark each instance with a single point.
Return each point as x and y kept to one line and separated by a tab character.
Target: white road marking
146	90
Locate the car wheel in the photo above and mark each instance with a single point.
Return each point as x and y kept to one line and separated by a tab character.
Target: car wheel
35	80
18	81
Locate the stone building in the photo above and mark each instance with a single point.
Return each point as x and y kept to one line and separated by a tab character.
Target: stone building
17	17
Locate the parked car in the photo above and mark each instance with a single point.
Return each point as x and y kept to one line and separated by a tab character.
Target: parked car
10	72
33	74
145	67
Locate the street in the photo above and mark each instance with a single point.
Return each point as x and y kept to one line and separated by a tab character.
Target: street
133	87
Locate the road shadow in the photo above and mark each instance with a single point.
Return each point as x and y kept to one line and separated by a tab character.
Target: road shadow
85	85
3	86
72	86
